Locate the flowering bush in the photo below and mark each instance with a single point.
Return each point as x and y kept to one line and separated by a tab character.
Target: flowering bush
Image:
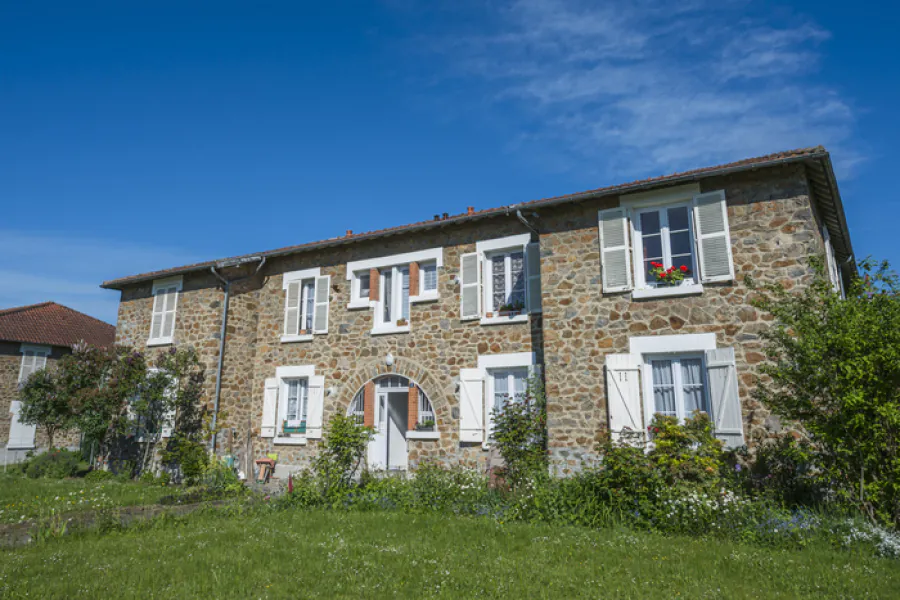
671	276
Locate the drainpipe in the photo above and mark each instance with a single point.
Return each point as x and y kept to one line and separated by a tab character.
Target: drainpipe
227	285
525	222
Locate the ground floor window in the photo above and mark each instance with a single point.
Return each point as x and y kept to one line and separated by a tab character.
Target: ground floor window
508	384
679	385
295	406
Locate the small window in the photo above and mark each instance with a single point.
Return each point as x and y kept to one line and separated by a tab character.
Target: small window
362	285
165	302
32	361
506	282
426	412
679	386
299	307
393	303
428	277
357	407
508	385
666	241
296	394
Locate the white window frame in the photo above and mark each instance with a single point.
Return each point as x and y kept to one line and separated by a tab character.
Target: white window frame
356	286
284	375
634	205
37	352
303	276
677	382
423	294
489	248
161	285
382	327
357	267
508	283
489	364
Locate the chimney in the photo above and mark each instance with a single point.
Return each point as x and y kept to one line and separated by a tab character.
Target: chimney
470	210
349	232
446	215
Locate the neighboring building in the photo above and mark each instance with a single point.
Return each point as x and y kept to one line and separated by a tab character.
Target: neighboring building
439	321
31	338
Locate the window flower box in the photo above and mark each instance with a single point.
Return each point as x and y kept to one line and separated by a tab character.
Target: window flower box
511	309
402	322
293	427
425	425
304	332
489	314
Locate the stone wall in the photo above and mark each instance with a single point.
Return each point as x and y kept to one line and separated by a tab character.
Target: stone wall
773	231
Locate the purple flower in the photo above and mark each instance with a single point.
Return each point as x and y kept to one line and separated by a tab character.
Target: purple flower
738	467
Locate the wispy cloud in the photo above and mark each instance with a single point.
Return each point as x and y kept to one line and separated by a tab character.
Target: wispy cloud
640	87
38	267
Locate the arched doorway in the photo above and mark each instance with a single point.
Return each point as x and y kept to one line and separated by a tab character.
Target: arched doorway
393	406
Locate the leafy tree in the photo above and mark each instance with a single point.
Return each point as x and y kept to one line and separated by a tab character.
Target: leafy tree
45	404
834	367
520	434
340	454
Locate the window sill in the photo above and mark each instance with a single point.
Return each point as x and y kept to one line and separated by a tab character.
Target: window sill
161	342
501	320
423	435
359	304
426	297
389	330
289	441
287	339
15	448
667	292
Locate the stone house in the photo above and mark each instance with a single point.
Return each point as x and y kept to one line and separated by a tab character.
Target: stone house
32	338
423	330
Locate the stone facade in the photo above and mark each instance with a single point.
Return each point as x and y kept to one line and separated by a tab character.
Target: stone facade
774	230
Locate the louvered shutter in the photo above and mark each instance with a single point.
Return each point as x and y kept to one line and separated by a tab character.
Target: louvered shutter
623	399
292	308
471	405
159	301
533	270
320	312
713	237
725	402
831	262
21	436
315	407
270	406
470	288
614	250
171	298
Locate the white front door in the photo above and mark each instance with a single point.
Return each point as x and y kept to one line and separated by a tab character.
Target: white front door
388	448
21	436
378	444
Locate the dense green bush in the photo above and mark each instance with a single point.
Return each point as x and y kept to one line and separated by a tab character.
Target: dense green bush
56	464
520	434
98	475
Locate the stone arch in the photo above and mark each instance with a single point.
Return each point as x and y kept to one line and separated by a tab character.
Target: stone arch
438	395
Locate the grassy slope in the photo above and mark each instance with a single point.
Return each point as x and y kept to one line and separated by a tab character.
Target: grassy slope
31	498
353	555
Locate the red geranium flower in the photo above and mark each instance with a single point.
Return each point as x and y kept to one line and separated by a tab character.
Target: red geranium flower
684	268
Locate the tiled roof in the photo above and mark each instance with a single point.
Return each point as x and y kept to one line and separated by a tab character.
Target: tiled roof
55	325
741	165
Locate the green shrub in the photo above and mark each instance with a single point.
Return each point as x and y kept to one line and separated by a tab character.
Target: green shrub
783	470
56	464
97	475
340	455
520	434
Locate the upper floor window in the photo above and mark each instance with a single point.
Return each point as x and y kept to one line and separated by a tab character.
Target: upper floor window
34	358
834	272
305	305
501	281
390	284
165	303
665	243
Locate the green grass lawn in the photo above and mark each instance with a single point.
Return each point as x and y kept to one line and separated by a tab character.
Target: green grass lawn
299	554
22	498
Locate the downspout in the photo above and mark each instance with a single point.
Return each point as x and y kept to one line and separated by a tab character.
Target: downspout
227	285
525	222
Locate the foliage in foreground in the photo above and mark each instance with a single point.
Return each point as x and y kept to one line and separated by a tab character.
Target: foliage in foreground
834	367
329	554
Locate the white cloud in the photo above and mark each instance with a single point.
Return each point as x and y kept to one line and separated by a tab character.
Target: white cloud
39	267
640	87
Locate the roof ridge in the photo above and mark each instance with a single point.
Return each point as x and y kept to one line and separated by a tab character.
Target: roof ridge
15	309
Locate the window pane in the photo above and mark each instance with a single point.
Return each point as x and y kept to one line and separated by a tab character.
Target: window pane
501	388
688	262
680	243
498	281
653	247
293	394
404	293
517	272
429	277
387	280
520	383
309	298
692	379
364	286
650	222
678	218
663	387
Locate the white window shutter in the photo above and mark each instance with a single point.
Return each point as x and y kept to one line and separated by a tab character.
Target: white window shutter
471	405
40	361
159	300
292	309
171	298
615	250
320	312
713	237
725	402
315	407
623	398
470	286
831	262
533	271
21	436
270	406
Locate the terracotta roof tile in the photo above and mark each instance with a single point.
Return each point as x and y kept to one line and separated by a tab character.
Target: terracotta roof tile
55	325
748	163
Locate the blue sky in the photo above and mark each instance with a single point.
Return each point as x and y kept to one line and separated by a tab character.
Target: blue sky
135	139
